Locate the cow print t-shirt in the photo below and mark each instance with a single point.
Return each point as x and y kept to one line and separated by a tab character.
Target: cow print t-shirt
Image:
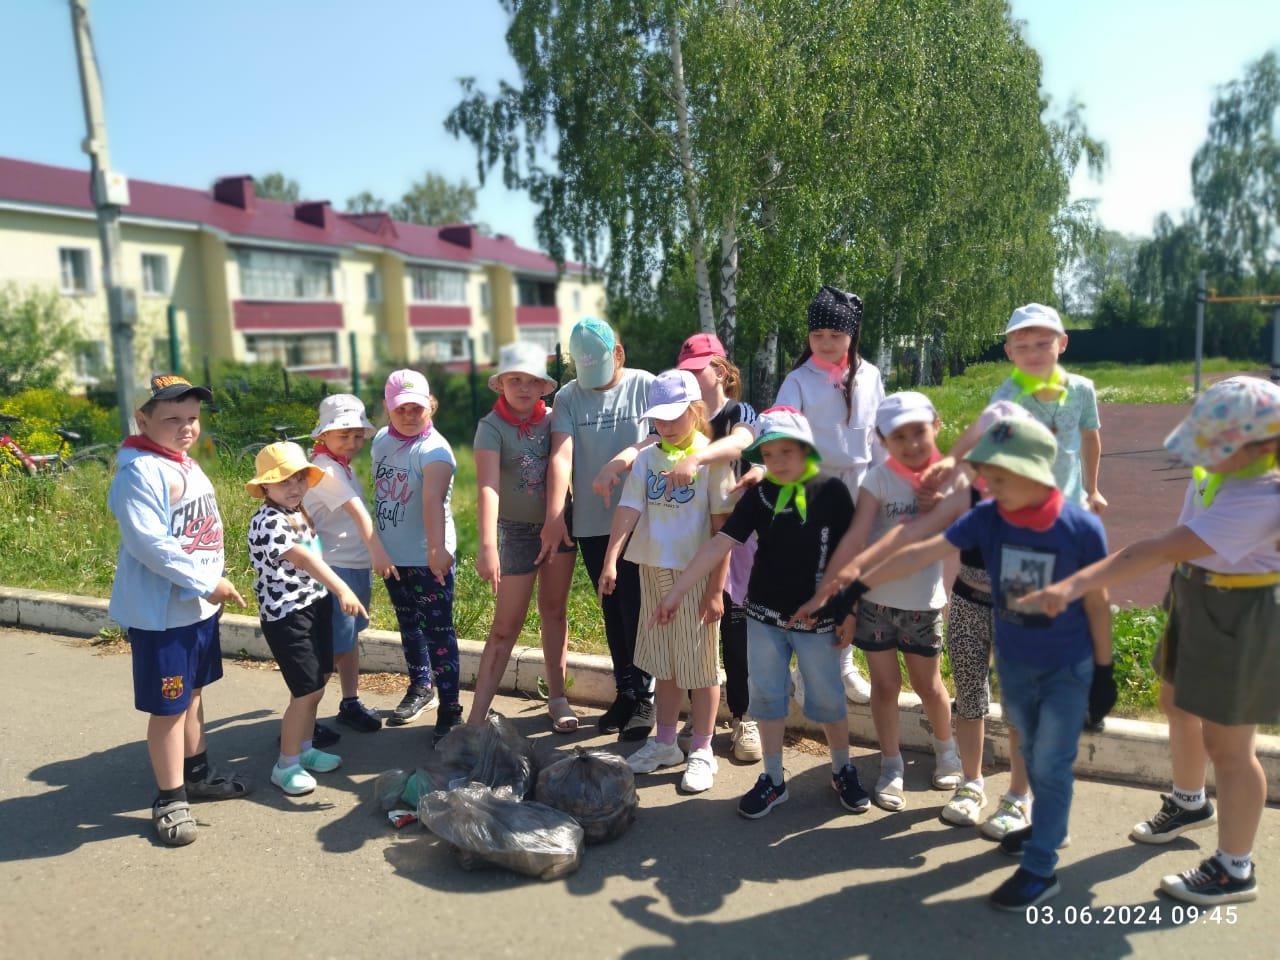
281	587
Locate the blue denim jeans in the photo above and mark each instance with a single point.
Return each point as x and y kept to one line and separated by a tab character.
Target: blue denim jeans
769	650
1047	707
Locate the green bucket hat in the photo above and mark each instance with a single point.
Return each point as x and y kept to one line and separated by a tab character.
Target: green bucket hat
1022	446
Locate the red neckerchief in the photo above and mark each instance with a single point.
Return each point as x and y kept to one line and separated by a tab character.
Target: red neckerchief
344	462
912	476
1038	518
139	442
408	439
524	425
835	371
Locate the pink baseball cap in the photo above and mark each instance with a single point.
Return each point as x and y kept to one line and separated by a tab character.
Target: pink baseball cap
698	350
406	386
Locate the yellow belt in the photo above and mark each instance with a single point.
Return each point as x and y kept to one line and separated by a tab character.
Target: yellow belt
1229	581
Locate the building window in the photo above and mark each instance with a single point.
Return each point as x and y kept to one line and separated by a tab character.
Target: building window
373	286
443	346
267	275
486	346
486	300
91	361
431	285
535	293
155	274
76	270
292	349
545	337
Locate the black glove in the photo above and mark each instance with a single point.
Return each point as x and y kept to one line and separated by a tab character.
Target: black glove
842	604
1102	695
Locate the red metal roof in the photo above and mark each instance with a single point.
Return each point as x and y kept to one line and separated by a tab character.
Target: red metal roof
38	183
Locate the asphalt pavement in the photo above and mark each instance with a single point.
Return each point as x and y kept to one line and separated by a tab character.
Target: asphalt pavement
323	876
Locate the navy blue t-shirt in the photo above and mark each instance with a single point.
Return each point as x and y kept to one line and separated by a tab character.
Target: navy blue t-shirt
1020	560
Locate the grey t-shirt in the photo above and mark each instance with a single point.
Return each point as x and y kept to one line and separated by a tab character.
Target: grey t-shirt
1078	411
522	466
601	423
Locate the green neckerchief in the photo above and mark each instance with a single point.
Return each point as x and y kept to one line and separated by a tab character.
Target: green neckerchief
794	490
1031	386
1208	482
676	454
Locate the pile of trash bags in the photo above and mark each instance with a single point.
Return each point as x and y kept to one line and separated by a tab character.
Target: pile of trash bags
473	792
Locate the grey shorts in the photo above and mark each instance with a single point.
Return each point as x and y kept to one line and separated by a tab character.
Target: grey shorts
1220	651
911	631
519	545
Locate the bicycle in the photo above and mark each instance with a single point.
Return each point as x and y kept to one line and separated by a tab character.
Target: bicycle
97	455
249	452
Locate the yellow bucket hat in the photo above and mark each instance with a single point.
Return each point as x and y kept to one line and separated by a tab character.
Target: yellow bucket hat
280	461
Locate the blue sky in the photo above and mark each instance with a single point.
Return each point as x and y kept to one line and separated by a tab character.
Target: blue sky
345	96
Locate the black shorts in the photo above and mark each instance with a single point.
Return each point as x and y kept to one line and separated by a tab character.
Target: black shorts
302	643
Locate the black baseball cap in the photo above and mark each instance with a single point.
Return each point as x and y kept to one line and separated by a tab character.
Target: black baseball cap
170	386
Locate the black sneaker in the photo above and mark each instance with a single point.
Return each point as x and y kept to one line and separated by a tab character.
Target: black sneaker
619	712
1209	885
1172	821
359	717
1024	889
447	717
763	797
322	736
416	699
1012	842
641	723
852	797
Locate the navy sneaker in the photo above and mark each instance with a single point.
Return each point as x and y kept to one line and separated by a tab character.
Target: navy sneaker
1024	889
359	717
1209	885
640	724
415	700
447	717
852	797
763	797
1012	842
1172	821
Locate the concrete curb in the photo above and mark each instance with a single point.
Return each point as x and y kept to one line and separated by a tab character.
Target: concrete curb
1129	751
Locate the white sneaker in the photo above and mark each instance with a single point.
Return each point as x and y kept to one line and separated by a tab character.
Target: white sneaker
1010	815
654	755
888	792
963	809
700	774
746	740
797	687
856	687
947	771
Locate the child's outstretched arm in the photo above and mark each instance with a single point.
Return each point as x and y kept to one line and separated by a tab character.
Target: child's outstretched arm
488	467
559	468
312	563
727	449
712	553
378	557
843	567
436	477
611	473
943	472
1090	458
1173	546
624	521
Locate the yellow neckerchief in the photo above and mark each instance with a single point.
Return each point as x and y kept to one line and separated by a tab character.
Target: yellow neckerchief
795	489
1207	482
1057	382
677	453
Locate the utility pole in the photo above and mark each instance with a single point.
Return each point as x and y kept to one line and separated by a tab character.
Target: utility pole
110	193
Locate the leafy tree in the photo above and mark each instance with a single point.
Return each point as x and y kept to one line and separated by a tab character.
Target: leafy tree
433	202
366	202
276	186
897	149
38	339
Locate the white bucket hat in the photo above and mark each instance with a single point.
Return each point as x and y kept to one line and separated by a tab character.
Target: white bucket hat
522	357
342	411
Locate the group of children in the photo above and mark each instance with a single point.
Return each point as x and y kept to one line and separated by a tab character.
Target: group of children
823	523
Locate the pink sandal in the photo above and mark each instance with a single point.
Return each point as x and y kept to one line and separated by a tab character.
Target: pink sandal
563	719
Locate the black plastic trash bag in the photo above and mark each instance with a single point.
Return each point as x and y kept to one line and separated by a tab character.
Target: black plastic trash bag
596	788
488	829
395	789
493	754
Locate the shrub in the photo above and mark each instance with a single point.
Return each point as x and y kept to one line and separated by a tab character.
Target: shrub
38	339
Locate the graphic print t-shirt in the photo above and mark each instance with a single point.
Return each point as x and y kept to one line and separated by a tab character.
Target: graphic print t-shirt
397	491
522	466
280	586
195	522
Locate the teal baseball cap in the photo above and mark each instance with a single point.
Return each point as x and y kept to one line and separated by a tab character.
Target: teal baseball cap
591	345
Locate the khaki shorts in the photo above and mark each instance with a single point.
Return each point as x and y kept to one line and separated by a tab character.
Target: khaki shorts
886	628
1221	651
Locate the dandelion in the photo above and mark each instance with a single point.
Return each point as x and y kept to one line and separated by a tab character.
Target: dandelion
31	519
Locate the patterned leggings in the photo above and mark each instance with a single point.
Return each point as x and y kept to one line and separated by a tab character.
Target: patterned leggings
424	610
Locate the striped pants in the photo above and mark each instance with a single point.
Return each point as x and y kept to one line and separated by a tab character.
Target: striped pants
683	650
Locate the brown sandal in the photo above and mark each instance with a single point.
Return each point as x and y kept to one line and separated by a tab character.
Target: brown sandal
563	719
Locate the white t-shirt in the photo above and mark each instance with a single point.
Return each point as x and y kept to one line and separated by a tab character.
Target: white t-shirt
342	543
1242	525
923	589
674	522
847	441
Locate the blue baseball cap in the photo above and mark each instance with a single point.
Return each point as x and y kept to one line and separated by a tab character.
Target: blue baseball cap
591	345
